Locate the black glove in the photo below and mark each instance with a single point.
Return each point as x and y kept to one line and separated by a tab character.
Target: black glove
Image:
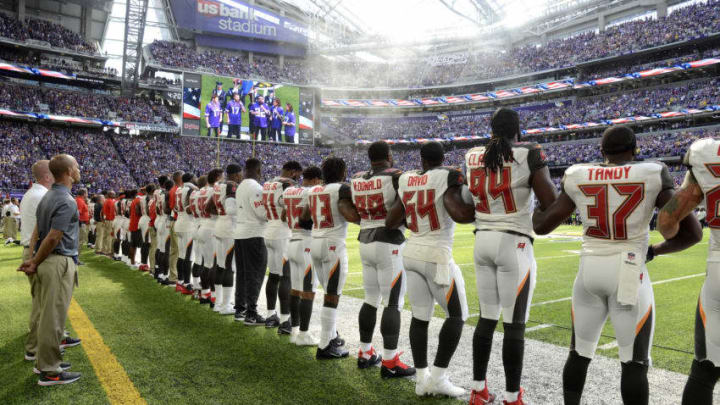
650	254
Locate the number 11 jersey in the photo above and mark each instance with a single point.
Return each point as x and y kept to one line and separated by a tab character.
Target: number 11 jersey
616	203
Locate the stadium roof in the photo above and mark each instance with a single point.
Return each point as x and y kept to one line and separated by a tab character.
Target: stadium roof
427	20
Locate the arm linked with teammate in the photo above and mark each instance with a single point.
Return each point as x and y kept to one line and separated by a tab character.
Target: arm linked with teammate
543	187
460	211
680	229
396	216
545	221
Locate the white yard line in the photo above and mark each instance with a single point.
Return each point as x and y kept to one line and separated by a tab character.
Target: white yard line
609	346
668	280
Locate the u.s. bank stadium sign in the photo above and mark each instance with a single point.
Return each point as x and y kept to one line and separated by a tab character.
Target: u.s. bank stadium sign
142	126
232	17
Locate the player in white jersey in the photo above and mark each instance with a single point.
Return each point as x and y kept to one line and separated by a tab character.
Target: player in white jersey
277	237
226	208
303	279
162	225
184	229
701	187
206	238
144	225
373	193
430	203
330	208
616	200
197	256
503	176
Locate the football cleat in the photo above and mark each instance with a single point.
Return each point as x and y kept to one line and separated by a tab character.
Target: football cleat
331	352
272	321
372	359
204	301
421	380
63	367
239	315
69	342
293	337
178	287
305	339
443	386
65	377
29	356
481	397
285	328
187	290
254	320
519	400
227	310
395	368
338	341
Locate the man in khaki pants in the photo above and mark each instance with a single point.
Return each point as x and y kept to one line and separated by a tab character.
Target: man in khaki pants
54	269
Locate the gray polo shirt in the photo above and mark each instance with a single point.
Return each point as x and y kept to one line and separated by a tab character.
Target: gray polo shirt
58	210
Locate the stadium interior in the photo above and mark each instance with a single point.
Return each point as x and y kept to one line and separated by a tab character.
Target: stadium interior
125	87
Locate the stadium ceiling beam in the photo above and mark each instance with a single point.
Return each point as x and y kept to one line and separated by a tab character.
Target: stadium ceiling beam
451	7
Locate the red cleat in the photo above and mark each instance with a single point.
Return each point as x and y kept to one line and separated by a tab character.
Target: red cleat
178	287
519	399
395	368
481	397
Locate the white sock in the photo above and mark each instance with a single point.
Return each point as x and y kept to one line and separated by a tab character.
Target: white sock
270	312
295	330
421	374
227	295
478	385
327	321
389	354
218	293
365	347
438	373
511	396
196	283
284	317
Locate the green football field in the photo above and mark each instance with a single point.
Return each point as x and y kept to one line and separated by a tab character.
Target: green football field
286	94
175	351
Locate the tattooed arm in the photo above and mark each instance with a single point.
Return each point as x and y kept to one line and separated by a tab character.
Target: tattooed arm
677	208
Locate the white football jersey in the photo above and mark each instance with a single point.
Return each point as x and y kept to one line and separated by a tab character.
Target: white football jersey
703	159
185	221
223	195
271	195
293	201
503	198
616	203
323	204
422	194
159	201
201	205
373	193
193	199
144	205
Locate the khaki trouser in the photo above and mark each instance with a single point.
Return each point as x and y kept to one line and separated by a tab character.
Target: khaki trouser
9	228
53	283
108	240
173	253
84	230
153	247
31	341
99	236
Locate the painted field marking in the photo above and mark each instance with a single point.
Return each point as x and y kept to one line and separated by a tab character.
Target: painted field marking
112	376
668	280
538	327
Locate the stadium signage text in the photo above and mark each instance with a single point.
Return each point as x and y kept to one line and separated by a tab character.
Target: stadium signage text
235	17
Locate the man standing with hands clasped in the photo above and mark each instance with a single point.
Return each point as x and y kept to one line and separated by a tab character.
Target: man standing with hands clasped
54	266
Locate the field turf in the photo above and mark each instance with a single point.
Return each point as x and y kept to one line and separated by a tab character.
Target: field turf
175	351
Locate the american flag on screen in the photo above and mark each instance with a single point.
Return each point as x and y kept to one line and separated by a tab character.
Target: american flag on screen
479	97
330	102
191	103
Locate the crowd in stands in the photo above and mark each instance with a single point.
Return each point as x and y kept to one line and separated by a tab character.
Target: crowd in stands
83	104
120	160
43	30
688	22
691	94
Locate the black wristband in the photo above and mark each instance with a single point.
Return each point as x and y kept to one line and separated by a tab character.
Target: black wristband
650	254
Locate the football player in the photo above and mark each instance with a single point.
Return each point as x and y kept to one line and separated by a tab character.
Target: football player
162	224
226	207
503	176
303	278
144	225
430	203
616	200
206	238
184	231
373	193
700	187
197	265
250	250
277	236
330	208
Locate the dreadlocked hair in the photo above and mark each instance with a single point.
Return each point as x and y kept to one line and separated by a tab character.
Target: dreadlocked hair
505	125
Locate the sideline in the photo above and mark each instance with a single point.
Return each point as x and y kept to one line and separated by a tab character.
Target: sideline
112	376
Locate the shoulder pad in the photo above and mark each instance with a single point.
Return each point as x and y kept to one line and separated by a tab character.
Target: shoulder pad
359	175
